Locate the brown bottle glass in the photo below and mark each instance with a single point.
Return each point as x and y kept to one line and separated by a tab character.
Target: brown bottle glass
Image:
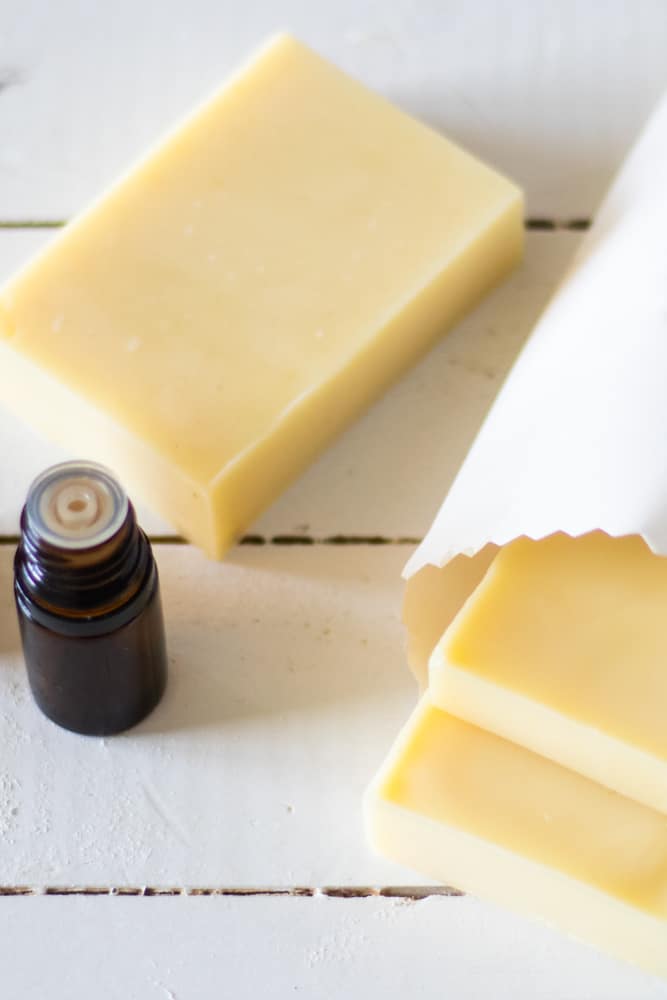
88	601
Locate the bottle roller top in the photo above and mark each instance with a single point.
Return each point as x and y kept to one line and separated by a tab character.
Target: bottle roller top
76	505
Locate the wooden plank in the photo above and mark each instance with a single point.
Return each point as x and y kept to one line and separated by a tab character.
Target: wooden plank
388	474
551	93
288	684
276	947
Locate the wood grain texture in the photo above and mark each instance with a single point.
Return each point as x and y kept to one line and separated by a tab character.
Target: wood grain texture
177	949
552	93
288	678
388	474
287	685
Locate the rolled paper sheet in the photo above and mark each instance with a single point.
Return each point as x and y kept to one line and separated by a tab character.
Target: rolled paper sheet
577	438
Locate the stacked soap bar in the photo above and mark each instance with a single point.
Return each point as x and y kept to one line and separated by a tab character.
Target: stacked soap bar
232	303
534	771
563	649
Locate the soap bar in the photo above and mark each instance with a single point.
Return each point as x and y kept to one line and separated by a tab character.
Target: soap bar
231	304
462	806
563	648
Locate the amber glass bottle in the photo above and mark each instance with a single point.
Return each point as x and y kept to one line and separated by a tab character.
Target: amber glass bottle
88	600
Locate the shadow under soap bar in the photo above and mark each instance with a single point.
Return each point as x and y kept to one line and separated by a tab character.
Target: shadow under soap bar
231	304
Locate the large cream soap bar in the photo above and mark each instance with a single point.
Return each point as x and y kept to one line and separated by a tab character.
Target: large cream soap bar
232	303
465	807
563	649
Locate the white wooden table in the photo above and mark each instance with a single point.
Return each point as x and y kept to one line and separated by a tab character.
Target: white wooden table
217	850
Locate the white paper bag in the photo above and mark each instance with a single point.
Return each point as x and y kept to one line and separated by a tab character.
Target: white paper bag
577	438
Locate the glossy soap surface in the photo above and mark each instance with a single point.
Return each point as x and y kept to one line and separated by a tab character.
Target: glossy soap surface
232	303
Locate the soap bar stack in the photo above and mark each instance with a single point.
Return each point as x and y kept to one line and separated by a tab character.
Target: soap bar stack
534	769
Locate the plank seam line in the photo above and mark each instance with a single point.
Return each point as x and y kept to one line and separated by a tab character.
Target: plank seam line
277	540
413	893
538	223
547	225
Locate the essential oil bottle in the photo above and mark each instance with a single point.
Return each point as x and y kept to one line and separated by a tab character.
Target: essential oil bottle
88	601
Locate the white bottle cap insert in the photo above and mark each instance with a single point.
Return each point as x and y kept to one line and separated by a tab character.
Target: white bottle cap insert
76	505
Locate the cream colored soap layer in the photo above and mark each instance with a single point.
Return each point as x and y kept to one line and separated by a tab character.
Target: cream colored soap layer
228	307
463	806
563	649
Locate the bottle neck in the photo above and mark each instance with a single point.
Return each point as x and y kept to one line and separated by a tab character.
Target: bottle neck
85	583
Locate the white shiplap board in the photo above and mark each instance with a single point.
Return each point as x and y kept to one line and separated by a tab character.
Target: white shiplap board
288	680
553	93
388	474
273	948
288	683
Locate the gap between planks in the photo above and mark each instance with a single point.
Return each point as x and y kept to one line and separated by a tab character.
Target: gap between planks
276	540
413	893
576	225
533	223
409	892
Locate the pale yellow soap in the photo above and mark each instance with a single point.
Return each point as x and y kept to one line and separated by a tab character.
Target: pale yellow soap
467	808
231	304
563	648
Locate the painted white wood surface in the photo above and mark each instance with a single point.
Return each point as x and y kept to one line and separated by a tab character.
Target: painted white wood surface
551	92
288	681
288	684
388	474
272	948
